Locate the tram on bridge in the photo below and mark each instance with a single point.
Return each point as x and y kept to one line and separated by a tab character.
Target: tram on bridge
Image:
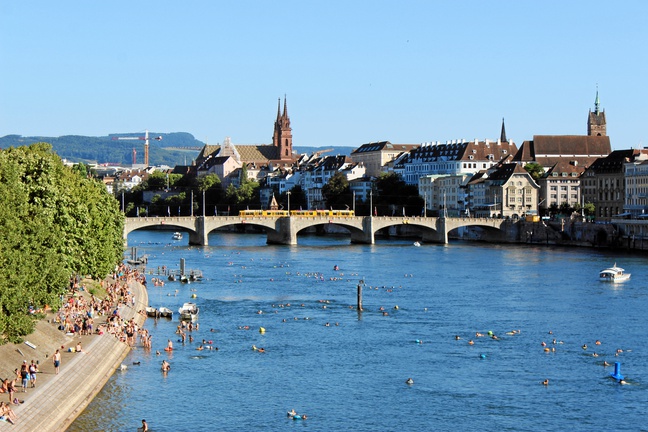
297	213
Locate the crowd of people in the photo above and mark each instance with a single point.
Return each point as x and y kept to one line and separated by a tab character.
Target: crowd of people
79	315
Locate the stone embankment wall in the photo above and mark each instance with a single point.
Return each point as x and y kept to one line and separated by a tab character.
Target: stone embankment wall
58	399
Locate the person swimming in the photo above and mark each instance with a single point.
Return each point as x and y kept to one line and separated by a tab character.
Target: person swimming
409	381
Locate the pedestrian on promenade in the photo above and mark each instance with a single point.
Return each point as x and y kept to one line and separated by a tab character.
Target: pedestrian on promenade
33	368
24	375
56	358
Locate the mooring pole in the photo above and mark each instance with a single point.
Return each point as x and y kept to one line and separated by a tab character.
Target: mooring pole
360	295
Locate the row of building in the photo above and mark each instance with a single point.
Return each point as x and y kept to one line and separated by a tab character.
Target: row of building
458	177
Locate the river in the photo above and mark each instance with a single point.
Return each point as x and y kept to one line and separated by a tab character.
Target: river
350	375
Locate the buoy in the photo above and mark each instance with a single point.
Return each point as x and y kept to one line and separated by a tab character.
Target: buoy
261	330
193	296
482	356
617	372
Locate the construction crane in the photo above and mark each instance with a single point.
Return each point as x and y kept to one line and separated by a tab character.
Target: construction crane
145	138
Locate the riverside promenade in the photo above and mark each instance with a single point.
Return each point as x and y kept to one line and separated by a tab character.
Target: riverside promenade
57	400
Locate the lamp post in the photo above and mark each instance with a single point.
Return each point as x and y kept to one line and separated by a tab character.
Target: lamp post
288	194
371	203
191	203
203	207
353	207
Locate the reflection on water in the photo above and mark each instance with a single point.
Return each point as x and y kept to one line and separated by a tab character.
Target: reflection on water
350	374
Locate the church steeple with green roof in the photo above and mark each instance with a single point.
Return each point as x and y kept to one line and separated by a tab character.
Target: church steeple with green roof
596	124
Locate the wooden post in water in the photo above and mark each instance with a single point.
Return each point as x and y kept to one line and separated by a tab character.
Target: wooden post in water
360	295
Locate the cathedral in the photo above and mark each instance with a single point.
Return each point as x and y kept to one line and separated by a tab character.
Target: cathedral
278	154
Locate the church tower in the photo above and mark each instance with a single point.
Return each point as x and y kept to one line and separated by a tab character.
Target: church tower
596	125
282	138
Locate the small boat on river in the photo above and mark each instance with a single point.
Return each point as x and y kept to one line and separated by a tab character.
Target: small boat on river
165	312
188	312
177	236
152	312
614	274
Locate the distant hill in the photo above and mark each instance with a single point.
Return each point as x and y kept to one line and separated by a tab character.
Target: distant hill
176	148
332	151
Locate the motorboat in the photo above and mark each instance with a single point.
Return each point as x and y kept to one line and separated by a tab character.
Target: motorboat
188	311
177	236
165	312
614	274
152	312
417	244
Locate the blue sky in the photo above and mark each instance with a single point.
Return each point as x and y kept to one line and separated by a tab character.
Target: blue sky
353	71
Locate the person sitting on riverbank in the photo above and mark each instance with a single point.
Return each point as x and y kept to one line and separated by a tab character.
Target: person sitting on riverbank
7	414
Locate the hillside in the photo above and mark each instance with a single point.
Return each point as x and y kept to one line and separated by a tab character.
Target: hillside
176	148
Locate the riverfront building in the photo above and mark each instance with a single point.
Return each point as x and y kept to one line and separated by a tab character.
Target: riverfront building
376	155
565	158
506	190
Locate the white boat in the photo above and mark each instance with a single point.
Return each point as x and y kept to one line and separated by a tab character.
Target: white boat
614	274
417	244
152	312
188	311
165	312
177	236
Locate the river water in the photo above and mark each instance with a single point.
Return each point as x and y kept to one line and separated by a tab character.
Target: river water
350	375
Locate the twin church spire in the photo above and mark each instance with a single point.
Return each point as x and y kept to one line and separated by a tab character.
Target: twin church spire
282	137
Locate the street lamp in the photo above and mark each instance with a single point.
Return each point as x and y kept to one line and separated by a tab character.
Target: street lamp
288	194
203	207
371	203
353	202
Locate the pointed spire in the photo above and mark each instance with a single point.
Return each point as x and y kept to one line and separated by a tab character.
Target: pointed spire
285	112
503	133
597	102
278	108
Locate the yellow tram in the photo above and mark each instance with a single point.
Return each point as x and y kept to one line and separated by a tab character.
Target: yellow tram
296	213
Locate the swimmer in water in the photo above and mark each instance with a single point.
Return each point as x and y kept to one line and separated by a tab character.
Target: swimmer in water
409	381
545	382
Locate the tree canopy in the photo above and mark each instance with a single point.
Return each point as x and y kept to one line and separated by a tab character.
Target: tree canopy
56	223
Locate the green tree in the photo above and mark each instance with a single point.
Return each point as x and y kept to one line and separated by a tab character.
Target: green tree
395	196
56	223
535	169
337	192
206	182
590	209
298	199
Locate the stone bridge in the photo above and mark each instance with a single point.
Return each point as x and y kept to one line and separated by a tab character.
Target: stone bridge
284	230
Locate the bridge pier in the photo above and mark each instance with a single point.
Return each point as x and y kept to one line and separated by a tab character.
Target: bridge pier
199	237
366	236
440	235
284	232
